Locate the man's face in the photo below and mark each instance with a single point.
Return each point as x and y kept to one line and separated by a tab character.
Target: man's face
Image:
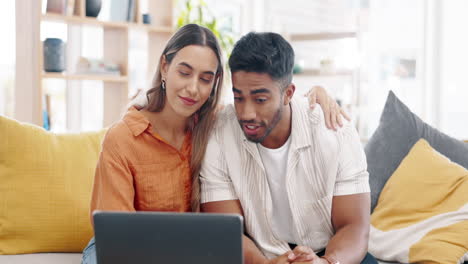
258	102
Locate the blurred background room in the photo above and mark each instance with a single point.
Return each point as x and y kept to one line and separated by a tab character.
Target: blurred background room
73	65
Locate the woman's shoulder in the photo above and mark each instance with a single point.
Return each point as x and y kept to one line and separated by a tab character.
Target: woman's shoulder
117	134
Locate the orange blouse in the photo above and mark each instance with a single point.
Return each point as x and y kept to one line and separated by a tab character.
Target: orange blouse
138	171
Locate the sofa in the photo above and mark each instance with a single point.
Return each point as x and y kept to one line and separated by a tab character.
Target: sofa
46	182
45	189
419	181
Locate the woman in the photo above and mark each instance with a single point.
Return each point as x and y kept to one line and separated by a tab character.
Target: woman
150	159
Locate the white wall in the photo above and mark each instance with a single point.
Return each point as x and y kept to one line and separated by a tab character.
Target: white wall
7	55
454	68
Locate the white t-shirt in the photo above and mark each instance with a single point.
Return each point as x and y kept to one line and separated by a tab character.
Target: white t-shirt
275	162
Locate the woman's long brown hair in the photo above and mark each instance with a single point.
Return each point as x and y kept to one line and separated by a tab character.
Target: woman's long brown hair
202	122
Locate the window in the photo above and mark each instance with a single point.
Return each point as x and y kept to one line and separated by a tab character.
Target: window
392	47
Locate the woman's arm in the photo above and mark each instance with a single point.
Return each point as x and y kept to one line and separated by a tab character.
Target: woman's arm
332	111
113	188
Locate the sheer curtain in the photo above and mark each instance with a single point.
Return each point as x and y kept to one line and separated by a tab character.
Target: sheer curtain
393	56
7	53
453	69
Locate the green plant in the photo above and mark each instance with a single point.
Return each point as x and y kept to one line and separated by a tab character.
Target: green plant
198	12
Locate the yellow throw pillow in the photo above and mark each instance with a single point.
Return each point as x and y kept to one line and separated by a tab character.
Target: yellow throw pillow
45	188
422	212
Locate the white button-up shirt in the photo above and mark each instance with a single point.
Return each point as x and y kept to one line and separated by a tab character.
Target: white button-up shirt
322	163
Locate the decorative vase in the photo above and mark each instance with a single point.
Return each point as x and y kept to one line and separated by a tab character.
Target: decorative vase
146	19
54	55
93	7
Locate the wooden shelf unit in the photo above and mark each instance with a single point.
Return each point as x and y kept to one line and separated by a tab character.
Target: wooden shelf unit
349	75
78	20
321	36
319	73
115	49
86	77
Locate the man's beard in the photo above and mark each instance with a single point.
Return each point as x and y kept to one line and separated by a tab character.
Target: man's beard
274	121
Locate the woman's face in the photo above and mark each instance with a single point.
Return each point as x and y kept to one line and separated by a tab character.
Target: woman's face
189	79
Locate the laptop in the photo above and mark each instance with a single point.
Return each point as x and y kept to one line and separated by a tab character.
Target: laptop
173	238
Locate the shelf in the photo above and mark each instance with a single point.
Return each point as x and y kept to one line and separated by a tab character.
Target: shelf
107	24
322	36
156	29
318	73
85	77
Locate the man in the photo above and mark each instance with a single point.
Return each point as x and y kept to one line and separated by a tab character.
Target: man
301	187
